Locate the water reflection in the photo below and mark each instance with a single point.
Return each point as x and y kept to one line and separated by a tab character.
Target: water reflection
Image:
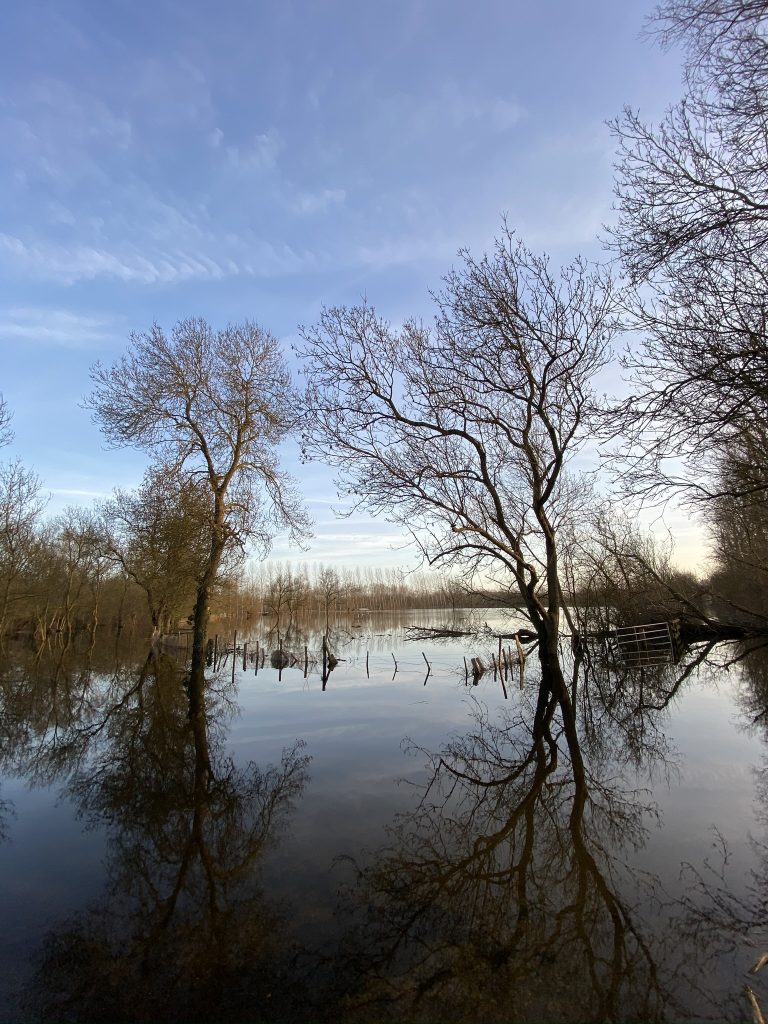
753	659
508	892
183	930
503	896
721	916
6	813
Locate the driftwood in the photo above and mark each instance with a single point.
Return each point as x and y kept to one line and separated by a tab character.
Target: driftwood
435	633
525	636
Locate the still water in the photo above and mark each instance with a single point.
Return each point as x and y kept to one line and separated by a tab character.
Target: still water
397	844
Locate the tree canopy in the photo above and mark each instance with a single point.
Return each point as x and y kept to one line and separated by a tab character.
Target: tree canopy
216	404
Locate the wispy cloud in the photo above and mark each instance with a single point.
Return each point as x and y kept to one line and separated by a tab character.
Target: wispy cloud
449	109
53	130
331	502
497	113
67	264
150	265
318	202
569	225
73	492
56	327
361	546
259	155
408	248
169	92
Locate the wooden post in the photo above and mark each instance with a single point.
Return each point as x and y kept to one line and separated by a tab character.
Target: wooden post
234	656
256	669
245	655
306	661
215	652
521	656
367	671
477	670
325	672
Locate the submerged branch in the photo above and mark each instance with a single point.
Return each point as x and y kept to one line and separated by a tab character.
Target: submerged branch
525	636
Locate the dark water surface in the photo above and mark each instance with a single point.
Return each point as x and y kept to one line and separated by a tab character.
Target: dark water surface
387	848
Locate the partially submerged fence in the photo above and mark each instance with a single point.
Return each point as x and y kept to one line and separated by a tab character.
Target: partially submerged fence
649	644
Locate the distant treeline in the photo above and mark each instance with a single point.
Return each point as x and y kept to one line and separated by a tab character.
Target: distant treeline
287	592
79	573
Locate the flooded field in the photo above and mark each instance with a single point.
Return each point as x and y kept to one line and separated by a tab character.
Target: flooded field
400	840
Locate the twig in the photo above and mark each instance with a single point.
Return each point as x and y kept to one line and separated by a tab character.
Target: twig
757	1015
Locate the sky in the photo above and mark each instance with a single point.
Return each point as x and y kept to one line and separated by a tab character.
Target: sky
260	160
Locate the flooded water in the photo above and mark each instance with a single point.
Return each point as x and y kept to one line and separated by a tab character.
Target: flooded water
400	842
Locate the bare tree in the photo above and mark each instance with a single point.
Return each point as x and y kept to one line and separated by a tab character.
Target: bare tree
217	404
462	433
21	506
692	196
624	575
159	535
699	179
737	518
330	589
6	434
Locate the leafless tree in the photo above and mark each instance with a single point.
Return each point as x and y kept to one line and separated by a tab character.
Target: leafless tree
217	404
692	232
78	555
159	536
737	518
463	432
21	506
625	575
330	589
6	434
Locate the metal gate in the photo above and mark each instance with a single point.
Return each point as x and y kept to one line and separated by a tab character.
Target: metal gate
648	644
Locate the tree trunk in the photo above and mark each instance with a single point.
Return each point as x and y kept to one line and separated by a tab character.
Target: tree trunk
201	612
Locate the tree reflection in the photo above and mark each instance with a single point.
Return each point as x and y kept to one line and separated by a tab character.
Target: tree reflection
183	931
721	915
753	659
502	896
6	813
624	712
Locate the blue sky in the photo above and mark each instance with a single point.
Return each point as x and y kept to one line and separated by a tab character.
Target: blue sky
252	159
